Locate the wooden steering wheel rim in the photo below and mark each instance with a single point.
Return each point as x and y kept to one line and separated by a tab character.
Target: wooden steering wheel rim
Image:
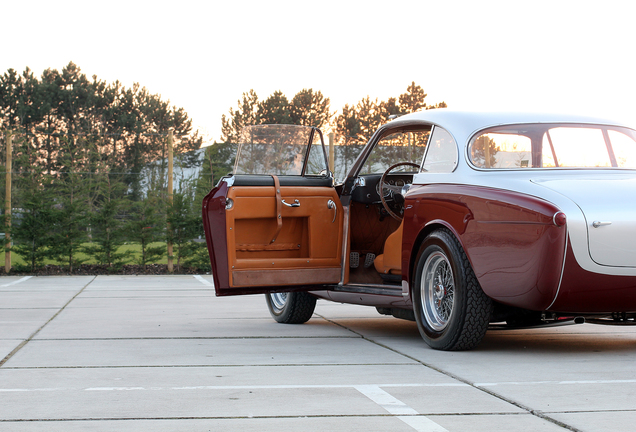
384	204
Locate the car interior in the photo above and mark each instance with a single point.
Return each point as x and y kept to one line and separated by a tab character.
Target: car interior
377	206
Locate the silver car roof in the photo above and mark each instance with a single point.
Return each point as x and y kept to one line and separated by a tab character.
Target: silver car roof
463	124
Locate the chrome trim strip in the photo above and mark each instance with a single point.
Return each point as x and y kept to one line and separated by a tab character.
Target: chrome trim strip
565	252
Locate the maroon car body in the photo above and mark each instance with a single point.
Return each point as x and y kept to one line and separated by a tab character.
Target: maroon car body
501	218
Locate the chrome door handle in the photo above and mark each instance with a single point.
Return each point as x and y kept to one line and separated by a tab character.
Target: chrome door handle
597	224
296	203
332	205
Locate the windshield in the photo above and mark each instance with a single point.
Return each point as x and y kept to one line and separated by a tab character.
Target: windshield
554	146
280	150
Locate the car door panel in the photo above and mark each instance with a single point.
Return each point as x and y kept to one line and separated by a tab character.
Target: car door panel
306	249
214	205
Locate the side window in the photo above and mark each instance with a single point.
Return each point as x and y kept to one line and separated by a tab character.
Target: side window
575	147
401	146
501	150
441	156
624	149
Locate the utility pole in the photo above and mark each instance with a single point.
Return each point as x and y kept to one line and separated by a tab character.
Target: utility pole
170	198
7	205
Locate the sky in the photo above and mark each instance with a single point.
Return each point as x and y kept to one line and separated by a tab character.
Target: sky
556	56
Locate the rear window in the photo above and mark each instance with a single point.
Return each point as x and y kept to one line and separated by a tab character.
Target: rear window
553	146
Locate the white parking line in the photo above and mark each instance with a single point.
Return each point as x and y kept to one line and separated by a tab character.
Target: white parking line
203	281
17	282
422	423
385	400
374	392
274	387
399	409
237	387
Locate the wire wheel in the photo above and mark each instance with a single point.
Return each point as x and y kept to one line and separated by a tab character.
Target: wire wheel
290	307
451	310
278	301
438	291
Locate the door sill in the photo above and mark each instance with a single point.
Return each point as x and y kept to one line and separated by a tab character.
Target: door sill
386	290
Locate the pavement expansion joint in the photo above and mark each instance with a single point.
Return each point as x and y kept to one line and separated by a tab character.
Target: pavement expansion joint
26	341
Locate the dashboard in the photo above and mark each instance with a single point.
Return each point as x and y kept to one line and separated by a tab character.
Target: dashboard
367	187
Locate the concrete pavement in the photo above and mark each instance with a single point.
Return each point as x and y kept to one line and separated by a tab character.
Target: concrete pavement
162	353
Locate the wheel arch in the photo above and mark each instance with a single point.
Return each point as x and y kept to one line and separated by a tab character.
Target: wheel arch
424	232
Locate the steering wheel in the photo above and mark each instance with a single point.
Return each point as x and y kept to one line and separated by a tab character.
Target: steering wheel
397	189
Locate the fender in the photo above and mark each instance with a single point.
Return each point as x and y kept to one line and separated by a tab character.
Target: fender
512	243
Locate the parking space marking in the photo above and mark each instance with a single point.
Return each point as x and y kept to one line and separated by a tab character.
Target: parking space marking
203	281
17	282
385	400
422	423
399	409
276	387
236	387
374	392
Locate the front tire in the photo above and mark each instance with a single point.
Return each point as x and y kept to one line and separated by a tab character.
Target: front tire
291	307
451	310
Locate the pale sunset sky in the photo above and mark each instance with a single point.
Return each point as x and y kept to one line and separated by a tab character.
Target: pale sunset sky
202	55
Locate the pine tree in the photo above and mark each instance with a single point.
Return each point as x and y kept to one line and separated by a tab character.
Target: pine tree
309	108
274	110
145	227
245	115
413	99
107	227
31	226
184	223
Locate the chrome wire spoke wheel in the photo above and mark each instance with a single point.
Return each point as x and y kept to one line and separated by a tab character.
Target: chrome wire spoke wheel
438	291
451	310
278	300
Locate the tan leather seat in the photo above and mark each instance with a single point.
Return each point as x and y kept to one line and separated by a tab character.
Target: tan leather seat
390	262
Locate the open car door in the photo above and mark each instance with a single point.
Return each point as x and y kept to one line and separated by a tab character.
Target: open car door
276	222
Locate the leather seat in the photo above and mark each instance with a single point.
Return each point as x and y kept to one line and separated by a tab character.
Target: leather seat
390	262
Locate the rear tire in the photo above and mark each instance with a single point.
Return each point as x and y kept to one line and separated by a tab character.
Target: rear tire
451	310
291	307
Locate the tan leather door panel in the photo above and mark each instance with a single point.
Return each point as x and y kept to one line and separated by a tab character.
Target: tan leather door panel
304	250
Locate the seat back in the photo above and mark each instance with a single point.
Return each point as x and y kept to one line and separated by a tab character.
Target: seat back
390	262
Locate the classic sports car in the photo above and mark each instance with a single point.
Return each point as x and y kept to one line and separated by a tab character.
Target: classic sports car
457	220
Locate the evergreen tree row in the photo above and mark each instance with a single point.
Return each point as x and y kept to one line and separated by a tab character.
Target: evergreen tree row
67	218
62	114
353	126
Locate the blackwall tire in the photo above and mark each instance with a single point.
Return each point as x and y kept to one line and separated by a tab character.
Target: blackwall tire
291	307
451	310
